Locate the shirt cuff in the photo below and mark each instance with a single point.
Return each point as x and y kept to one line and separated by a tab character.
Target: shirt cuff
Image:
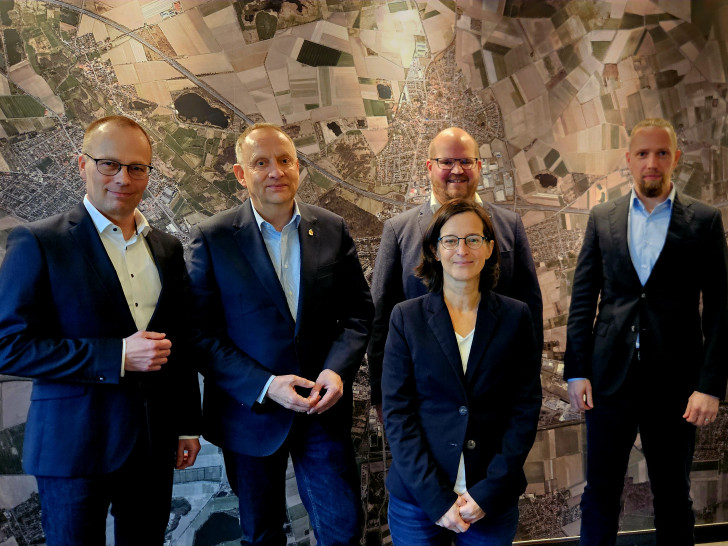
261	396
575	379
123	355
189	437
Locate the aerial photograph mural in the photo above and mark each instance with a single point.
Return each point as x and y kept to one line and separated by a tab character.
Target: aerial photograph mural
549	89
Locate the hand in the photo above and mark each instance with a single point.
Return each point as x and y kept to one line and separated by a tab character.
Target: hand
282	390
452	519
146	352
470	511
331	381
580	394
702	409
187	450
380	413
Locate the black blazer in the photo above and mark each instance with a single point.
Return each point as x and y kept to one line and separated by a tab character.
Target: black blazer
63	315
691	351
433	412
249	333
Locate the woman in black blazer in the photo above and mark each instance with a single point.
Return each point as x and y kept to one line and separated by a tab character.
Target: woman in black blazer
461	392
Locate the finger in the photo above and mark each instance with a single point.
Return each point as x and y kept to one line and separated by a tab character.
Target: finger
688	409
153	335
302	382
329	399
589	399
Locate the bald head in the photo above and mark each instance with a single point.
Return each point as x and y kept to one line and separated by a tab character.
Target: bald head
450	136
103	128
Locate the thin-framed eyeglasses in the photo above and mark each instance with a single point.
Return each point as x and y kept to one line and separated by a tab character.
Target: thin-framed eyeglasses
450	242
448	163
109	167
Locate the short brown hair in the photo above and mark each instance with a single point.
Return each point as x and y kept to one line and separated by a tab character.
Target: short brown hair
120	121
250	129
430	268
657	122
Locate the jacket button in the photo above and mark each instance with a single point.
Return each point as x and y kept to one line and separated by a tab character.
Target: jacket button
101	378
470	444
643	296
463	410
633	328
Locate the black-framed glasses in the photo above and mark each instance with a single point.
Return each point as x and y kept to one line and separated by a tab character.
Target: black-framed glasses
109	167
448	163
450	242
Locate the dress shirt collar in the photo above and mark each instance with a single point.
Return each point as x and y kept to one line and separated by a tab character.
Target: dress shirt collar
435	204
260	220
667	203
102	223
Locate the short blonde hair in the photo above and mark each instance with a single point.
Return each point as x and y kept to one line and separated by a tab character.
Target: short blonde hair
119	121
657	122
250	129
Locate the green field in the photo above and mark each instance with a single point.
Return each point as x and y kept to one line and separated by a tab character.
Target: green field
21	106
314	54
68	84
266	25
13	46
374	108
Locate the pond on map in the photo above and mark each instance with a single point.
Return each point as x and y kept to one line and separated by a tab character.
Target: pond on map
194	108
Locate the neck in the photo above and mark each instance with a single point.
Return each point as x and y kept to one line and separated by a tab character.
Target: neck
276	215
651	202
462	296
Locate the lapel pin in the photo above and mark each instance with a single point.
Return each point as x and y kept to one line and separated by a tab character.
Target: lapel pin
310	232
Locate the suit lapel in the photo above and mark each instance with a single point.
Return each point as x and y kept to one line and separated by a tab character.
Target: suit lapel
677	230
485	325
441	326
253	250
618	218
424	218
88	242
310	241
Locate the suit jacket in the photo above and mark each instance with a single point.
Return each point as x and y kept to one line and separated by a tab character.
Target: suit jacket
433	412
62	320
689	350
249	332
400	251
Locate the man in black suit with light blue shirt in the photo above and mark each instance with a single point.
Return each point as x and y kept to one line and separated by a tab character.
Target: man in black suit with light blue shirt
640	354
285	313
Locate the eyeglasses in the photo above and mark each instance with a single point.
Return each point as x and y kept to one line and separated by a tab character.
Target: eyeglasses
109	167
447	163
450	242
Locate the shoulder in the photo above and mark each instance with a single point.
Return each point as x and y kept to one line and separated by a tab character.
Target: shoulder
222	220
409	217
500	214
320	214
53	225
700	209
507	305
414	305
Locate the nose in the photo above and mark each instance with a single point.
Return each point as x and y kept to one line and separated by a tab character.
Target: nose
652	160
457	168
275	171
462	248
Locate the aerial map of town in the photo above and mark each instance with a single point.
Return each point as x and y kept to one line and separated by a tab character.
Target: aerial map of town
548	88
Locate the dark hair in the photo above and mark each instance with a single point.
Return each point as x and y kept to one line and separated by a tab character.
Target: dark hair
430	268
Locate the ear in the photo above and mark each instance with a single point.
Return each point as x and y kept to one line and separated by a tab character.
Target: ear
678	153
239	174
82	165
628	157
436	253
429	165
489	245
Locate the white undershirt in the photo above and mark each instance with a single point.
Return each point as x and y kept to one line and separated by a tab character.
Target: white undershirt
464	345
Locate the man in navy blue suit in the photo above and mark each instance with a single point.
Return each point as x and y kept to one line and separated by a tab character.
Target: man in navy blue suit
92	308
286	313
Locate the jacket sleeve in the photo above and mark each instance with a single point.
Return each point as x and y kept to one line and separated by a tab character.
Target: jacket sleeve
221	361
31	341
714	287
525	285
410	452
354	309
387	291
582	312
504	482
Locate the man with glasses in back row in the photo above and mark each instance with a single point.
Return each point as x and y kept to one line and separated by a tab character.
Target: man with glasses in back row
92	309
454	169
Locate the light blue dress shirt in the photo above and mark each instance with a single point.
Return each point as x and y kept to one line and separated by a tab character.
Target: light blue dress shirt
284	250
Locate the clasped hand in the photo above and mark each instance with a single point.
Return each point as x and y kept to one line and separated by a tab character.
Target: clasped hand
146	351
464	512
283	391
